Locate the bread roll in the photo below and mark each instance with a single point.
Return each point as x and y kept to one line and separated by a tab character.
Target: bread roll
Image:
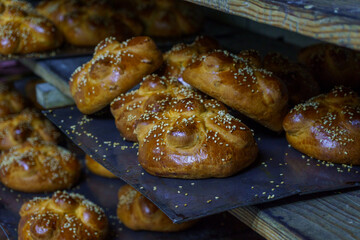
332	65
230	79
63	216
38	167
97	168
327	127
138	213
195	138
10	101
16	129
22	30
115	68
87	22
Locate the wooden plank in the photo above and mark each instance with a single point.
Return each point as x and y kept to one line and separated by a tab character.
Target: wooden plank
330	217
325	23
50	97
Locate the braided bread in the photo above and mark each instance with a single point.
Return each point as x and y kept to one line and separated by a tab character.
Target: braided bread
63	216
115	68
195	138
10	101
87	22
152	96
38	167
138	213
181	55
97	168
252	91
22	30
327	127
332	65
16	129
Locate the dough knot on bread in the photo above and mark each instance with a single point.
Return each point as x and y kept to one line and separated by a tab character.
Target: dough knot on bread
138	213
327	127
114	69
63	216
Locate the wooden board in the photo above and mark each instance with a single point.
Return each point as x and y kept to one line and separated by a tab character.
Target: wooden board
332	21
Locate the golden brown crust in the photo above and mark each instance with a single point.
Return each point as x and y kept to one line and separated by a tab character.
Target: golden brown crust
97	168
168	18
16	129
87	22
38	167
22	30
195	138
230	79
138	213
115	68
64	216
30	91
332	65
327	127
180	55
10	101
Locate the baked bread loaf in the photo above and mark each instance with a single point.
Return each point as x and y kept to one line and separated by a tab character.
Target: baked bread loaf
63	216
97	168
22	30
168	18
153	96
10	101
181	55
327	127
35	166
137	213
193	139
230	79
87	22
16	129
30	92
115	68
332	65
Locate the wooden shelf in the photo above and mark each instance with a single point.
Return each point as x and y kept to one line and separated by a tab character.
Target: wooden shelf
336	21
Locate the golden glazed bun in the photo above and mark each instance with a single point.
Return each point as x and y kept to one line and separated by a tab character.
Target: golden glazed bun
181	55
253	91
17	128
138	213
10	101
22	30
327	127
194	138
97	168
38	167
87	22
115	68
63	216
332	65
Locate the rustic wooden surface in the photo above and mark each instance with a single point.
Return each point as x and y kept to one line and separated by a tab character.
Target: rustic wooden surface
336	216
332	21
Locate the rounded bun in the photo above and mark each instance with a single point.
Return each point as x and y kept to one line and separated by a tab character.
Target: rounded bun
138	213
97	168
63	216
327	127
38	167
22	30
10	101
16	129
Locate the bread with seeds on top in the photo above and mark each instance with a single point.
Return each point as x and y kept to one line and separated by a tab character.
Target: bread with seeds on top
35	166
153	96
138	213
195	138
114	69
17	128
10	101
327	127
253	91
97	168
22	30
63	216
